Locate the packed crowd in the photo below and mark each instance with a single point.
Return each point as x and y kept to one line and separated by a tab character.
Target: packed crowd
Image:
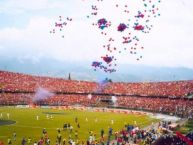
165	97
180	107
20	82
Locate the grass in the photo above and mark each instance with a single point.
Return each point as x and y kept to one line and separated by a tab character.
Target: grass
186	128
28	126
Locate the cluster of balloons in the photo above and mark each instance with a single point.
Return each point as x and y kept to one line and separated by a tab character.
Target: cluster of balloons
139	21
120	35
59	25
121	27
102	23
100	65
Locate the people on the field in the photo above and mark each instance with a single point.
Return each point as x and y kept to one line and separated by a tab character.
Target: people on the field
59	138
47	141
76	120
64	141
78	125
9	142
76	134
44	131
29	141
102	133
23	141
71	128
14	136
8	115
41	141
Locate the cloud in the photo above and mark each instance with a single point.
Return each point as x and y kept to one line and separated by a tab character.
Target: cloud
20	6
13	7
35	39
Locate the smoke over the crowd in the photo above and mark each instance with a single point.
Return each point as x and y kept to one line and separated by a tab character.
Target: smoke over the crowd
42	94
89	96
102	85
114	99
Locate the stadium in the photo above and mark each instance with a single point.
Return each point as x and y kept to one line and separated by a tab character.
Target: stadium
96	72
94	106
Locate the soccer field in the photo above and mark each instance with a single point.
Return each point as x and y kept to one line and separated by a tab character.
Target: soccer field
26	123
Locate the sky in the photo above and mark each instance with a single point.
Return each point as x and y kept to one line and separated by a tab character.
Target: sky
25	27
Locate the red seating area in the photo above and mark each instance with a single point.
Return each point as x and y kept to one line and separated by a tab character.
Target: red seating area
156	104
165	105
15	82
15	98
20	82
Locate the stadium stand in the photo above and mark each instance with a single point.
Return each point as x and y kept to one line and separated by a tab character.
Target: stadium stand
165	97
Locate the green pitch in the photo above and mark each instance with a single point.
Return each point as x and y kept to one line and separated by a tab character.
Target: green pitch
186	128
25	123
